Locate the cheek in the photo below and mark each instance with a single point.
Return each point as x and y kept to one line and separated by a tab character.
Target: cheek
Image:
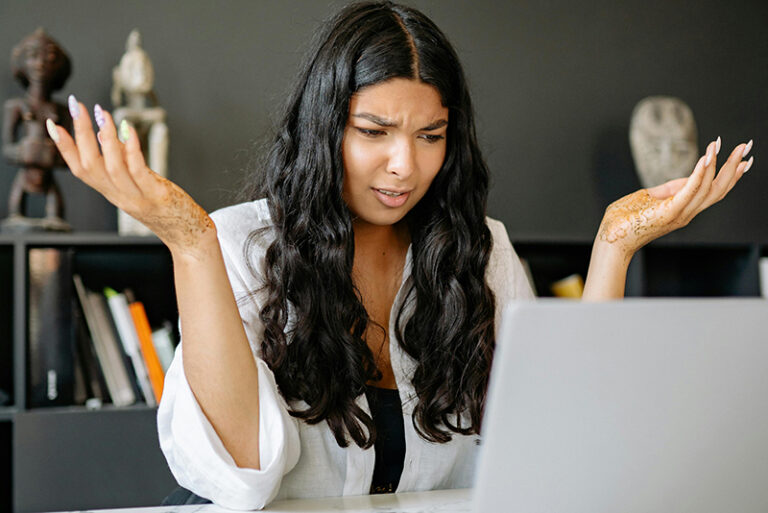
432	161
360	163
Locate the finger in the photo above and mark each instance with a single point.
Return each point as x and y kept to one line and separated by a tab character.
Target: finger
727	177
71	155
114	153
86	143
742	167
684	196
137	167
694	205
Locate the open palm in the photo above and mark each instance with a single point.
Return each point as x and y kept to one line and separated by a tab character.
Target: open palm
638	218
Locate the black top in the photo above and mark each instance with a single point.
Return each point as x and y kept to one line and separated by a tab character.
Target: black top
387	414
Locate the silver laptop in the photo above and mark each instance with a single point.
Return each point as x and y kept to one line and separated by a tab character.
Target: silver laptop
649	405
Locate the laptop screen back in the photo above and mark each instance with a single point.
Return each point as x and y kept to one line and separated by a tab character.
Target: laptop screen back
633	406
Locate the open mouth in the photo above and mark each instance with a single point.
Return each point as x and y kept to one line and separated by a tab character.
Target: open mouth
390	193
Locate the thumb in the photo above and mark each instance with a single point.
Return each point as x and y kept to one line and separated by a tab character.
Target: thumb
667	189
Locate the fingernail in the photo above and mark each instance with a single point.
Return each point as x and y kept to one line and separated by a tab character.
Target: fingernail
709	158
52	130
717	146
74	111
98	114
747	148
749	164
124	131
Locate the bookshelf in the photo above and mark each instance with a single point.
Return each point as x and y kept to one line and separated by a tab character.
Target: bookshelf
110	457
664	268
84	459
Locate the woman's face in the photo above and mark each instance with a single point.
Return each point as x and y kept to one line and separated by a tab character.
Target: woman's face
394	145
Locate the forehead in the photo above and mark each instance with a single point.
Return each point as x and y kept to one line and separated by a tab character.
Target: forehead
399	99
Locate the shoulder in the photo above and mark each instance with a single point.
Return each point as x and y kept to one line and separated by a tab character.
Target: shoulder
245	231
505	272
499	236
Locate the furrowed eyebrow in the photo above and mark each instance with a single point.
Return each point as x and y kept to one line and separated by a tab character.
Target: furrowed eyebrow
387	123
434	126
375	119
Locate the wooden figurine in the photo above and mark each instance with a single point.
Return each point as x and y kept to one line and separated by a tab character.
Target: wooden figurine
41	66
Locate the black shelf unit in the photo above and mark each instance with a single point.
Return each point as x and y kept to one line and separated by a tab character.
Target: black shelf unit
50	445
664	268
69	447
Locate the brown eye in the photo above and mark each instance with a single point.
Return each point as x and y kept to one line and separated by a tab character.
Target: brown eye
369	132
431	138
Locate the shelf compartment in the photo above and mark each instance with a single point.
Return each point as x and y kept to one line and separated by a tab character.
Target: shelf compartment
553	261
701	270
113	453
6	325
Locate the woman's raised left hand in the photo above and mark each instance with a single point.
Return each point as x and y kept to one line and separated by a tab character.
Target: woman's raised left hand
638	218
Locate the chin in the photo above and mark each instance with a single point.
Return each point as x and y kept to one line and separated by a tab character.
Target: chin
386	218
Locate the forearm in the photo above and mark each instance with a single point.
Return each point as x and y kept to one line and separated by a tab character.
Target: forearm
607	274
217	359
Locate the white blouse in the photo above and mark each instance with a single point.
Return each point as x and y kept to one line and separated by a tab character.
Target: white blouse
299	460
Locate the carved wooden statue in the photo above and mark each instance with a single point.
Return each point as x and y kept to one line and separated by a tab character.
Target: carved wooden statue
42	67
133	79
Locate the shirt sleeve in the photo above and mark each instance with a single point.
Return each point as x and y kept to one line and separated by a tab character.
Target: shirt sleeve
505	273
195	454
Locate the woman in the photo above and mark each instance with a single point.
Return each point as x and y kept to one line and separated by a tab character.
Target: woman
359	299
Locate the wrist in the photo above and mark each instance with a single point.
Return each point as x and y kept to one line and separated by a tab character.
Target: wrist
196	248
611	253
607	272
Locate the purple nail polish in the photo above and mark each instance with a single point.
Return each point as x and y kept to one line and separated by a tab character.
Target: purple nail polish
98	114
73	107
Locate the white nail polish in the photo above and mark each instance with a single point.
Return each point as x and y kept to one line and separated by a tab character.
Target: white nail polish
717	146
52	130
746	149
749	164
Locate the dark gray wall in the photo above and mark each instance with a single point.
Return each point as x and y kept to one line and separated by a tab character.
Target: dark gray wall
554	83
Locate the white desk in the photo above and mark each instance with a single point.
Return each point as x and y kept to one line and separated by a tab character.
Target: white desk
438	501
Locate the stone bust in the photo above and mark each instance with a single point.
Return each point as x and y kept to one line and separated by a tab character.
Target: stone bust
663	140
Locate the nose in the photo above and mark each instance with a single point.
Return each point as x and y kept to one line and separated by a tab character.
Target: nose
402	158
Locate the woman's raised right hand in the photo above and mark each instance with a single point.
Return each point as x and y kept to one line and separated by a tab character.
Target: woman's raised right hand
121	175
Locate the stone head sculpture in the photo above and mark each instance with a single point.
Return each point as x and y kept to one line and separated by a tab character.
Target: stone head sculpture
663	139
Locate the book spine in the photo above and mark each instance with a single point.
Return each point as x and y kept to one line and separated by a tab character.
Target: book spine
125	393
99	346
126	329
164	345
51	344
155	370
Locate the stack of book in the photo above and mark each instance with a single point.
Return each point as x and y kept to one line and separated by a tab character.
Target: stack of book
90	347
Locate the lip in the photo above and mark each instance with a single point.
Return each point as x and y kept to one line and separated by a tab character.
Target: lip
389	201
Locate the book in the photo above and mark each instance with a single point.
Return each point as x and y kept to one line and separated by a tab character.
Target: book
163	342
95	384
105	345
141	322
121	314
569	287
52	364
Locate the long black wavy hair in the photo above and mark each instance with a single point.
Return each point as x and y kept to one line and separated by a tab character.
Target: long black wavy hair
323	358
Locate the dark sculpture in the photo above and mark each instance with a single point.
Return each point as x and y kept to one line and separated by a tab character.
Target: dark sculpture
42	67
